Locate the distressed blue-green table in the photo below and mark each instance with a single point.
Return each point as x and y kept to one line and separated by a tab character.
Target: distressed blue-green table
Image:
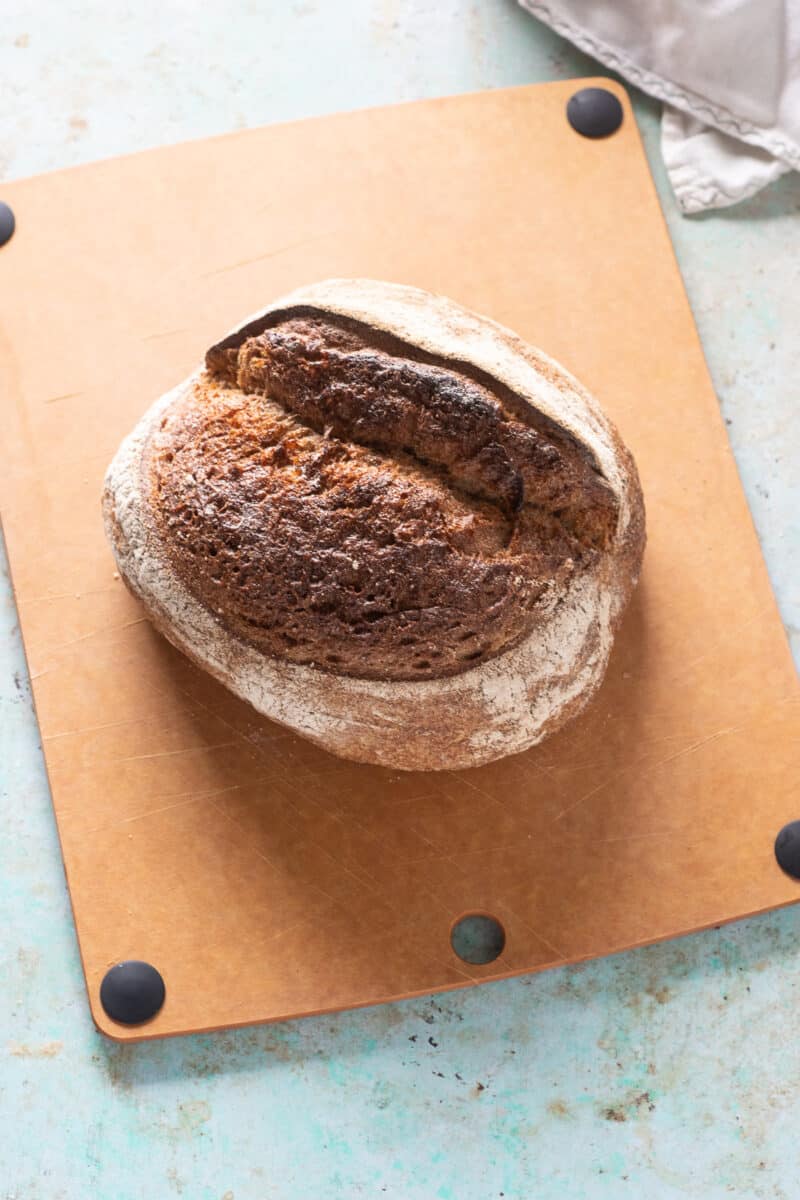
667	1072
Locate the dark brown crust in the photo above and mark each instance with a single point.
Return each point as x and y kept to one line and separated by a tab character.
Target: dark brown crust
367	511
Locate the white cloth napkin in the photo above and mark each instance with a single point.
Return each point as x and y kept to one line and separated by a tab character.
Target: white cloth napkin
728	72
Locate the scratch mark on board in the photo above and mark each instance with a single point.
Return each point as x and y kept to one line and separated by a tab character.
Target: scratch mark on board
64	396
175	753
97	632
244	262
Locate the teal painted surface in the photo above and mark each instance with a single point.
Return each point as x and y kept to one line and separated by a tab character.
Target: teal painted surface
667	1072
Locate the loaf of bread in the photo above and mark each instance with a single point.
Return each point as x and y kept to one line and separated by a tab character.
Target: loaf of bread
386	522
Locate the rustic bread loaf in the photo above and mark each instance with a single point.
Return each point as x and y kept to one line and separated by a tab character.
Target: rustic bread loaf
386	522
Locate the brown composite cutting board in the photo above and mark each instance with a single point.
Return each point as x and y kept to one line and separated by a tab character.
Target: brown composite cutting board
263	877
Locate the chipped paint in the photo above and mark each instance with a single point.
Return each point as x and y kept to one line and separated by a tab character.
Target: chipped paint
23	1050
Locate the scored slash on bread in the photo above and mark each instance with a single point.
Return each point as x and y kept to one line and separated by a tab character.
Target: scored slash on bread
386	522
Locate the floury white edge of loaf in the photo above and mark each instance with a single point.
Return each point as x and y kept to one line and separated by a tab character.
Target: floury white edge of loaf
386	522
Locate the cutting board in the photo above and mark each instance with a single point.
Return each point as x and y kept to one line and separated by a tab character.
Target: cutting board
264	878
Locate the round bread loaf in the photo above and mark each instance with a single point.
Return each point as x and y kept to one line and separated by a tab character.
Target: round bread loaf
386	522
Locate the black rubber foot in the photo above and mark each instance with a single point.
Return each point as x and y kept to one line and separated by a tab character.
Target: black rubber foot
132	992
594	112
7	224
787	849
